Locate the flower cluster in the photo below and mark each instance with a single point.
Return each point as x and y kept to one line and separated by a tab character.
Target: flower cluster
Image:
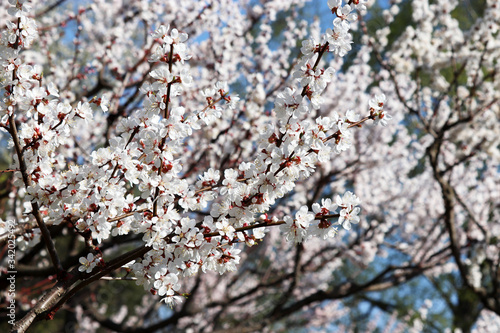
317	223
377	110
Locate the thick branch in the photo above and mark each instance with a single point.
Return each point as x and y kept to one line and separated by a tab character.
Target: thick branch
52	301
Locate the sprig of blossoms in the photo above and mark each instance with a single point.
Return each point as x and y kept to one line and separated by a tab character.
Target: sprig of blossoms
136	185
25	30
171	45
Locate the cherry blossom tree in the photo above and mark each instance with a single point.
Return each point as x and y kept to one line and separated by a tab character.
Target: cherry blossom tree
220	166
